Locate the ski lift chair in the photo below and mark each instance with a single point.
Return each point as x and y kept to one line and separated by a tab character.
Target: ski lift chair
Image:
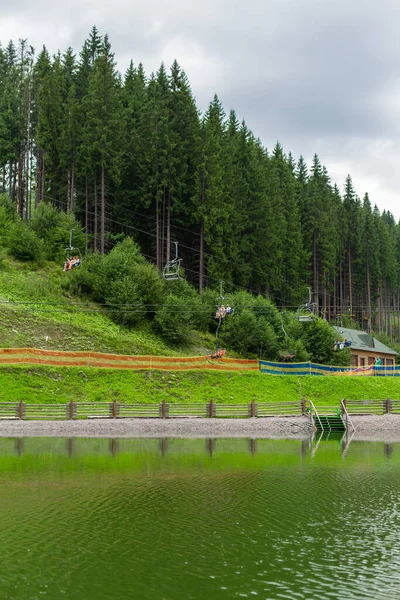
218	354
171	271
306	312
71	250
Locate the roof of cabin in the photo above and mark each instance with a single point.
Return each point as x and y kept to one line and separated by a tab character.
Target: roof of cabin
363	341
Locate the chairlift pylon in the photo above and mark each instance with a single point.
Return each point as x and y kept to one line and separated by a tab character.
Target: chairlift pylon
306	312
171	271
291	354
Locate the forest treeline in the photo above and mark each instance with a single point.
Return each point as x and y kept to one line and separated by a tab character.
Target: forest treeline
133	155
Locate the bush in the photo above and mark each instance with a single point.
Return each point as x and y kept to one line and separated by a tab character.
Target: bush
124	297
319	340
24	244
173	321
53	228
8	216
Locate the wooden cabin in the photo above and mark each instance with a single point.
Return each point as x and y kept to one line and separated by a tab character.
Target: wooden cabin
365	349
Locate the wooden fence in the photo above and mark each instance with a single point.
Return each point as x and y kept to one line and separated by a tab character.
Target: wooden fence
373	407
165	410
116	410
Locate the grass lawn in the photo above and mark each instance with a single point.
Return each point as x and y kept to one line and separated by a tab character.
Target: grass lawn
62	384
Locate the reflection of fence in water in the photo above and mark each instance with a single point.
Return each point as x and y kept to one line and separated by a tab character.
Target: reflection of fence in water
77	448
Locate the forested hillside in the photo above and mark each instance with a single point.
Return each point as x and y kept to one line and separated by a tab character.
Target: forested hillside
132	155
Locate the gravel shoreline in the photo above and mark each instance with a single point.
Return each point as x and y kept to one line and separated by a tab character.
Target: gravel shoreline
370	427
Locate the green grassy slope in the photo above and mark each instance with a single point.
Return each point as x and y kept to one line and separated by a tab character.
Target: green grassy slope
54	384
35	313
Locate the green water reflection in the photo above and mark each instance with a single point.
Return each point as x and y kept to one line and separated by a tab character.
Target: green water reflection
192	519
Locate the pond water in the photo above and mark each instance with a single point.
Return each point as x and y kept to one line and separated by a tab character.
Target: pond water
191	519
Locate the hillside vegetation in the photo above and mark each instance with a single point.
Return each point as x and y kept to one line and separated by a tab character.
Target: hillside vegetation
43	307
131	154
119	303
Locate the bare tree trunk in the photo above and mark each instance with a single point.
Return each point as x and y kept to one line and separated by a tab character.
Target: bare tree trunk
350	284
38	175
42	179
69	192
20	191
315	274
103	213
157	234
95	215
201	265
369	299
380	308
168	257
86	214
14	182
163	230
28	156
10	179
72	199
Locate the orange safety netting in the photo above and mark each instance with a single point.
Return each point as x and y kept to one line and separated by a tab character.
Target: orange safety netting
34	356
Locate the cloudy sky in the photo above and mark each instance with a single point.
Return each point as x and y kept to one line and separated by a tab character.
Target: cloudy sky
318	75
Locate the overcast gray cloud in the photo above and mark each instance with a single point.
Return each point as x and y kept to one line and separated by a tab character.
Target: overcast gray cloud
318	75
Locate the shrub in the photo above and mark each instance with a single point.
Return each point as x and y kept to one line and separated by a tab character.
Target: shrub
319	340
124	297
53	227
24	244
173	321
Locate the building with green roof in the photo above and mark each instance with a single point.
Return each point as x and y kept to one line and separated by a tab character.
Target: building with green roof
365	348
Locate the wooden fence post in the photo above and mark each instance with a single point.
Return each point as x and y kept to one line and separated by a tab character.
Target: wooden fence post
21	410
303	406
211	409
388	406
114	409
253	408
164	409
71	409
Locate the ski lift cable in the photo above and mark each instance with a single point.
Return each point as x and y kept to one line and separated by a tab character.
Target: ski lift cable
193	250
209	277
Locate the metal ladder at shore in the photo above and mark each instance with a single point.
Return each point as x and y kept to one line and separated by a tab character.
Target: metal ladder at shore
328	423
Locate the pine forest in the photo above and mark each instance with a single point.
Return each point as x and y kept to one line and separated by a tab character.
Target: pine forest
132	155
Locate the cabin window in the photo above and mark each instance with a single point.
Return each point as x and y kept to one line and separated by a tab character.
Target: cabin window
371	360
355	360
389	362
362	361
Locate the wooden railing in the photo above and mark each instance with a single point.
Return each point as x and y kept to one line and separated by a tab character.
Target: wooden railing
372	407
116	410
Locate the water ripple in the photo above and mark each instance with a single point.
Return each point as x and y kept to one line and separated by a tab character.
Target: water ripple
189	525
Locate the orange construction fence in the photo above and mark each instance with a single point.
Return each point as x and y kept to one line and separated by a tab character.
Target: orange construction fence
59	358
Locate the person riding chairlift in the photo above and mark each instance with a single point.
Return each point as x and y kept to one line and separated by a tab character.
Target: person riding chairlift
71	262
221	312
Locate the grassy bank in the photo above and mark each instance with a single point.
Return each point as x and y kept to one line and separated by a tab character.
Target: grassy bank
35	312
62	384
